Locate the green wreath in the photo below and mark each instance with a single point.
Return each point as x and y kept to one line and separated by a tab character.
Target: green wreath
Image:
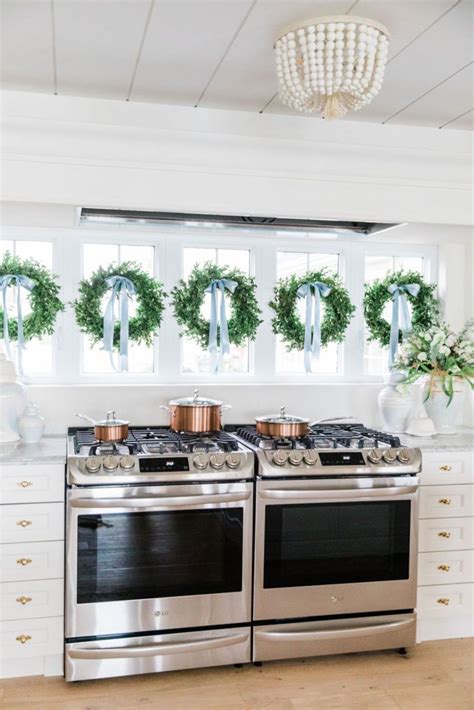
338	309
150	304
43	298
188	297
424	306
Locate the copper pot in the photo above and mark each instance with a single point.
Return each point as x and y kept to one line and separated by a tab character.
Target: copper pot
110	429
282	426
195	415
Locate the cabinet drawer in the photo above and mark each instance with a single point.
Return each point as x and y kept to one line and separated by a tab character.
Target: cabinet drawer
446	534
444	600
453	567
453	467
35	522
30	638
32	484
31	600
31	560
446	501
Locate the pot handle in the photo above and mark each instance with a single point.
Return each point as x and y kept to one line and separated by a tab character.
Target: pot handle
168	409
225	408
84	416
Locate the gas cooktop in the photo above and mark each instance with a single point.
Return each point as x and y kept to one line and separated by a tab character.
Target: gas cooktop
323	436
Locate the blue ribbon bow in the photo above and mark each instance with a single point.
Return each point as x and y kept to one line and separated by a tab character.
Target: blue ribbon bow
28	284
214	287
401	319
312	331
121	288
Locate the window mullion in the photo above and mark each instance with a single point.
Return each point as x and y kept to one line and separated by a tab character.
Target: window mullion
67	356
169	351
353	270
265	264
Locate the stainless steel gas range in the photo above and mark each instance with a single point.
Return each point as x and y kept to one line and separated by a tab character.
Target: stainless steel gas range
335	548
159	552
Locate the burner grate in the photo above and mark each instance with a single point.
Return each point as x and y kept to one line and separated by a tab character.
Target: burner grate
323	436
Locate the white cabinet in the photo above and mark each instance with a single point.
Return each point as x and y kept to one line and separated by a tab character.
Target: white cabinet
31	569
446	546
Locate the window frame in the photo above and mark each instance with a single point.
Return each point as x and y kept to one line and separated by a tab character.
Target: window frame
169	243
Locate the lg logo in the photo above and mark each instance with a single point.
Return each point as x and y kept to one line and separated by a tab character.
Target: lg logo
161	613
337	598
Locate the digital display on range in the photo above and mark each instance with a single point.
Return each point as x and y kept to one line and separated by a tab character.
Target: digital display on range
341	458
175	463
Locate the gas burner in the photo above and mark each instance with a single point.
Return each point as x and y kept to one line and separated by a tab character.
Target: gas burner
323	436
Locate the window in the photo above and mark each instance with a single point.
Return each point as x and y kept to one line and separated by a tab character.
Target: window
38	353
194	358
291	361
140	357
376	267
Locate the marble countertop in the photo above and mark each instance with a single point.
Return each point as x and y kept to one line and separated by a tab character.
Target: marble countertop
462	441
51	449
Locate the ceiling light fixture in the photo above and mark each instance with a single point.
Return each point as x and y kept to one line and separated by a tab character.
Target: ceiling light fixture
331	65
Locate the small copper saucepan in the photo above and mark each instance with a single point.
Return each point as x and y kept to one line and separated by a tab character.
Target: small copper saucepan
110	429
282	425
196	415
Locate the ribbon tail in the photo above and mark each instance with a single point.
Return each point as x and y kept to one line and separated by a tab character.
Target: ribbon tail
6	334
124	327
405	318
307	332
212	347
394	330
224	339
316	340
21	339
109	321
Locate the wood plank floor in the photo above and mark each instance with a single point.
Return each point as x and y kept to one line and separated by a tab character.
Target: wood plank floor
437	675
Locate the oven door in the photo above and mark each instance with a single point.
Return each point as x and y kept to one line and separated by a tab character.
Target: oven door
330	547
158	557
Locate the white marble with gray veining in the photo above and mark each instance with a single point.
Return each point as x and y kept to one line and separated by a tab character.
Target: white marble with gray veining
50	449
462	441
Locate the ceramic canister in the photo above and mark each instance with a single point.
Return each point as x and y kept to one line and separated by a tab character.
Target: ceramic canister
12	401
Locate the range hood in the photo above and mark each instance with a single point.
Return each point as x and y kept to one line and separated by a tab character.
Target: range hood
340	228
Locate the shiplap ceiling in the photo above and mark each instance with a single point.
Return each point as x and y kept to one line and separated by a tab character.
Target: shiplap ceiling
218	53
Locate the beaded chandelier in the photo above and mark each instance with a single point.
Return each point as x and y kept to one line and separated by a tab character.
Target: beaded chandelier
331	65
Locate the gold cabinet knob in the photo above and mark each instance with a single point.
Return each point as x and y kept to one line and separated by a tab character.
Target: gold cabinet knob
444	568
24	484
443	600
24	523
445	501
444	534
23	561
24	600
23	638
446	468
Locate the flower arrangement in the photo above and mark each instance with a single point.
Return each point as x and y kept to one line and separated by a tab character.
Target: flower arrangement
439	354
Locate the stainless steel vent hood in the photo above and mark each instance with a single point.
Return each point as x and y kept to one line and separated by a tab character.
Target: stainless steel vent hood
341	228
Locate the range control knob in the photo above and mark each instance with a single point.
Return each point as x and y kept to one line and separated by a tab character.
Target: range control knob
403	455
93	464
310	457
295	458
232	460
217	460
201	461
374	456
110	463
280	458
389	455
127	463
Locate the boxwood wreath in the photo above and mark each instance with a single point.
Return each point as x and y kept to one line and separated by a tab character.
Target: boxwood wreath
150	296
43	298
424	306
338	309
188	297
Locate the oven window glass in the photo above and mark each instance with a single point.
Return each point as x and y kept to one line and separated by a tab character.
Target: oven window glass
161	554
327	543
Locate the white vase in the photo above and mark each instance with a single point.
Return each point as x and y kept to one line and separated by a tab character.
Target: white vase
438	408
12	402
31	424
395	402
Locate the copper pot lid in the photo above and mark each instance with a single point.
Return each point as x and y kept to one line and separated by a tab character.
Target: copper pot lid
196	401
281	418
112	420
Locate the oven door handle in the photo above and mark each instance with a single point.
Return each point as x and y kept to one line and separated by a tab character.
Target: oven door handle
329	634
157	649
336	494
157	502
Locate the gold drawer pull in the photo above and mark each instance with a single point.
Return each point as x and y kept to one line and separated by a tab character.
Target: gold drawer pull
23	638
24	600
443	600
444	568
23	561
24	523
446	468
24	484
444	534
445	501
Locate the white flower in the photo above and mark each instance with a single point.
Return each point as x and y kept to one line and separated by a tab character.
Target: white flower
421	356
450	340
444	350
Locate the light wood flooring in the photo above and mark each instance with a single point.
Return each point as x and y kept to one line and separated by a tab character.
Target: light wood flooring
437	675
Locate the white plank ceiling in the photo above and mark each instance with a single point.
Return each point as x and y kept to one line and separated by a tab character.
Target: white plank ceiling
218	53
